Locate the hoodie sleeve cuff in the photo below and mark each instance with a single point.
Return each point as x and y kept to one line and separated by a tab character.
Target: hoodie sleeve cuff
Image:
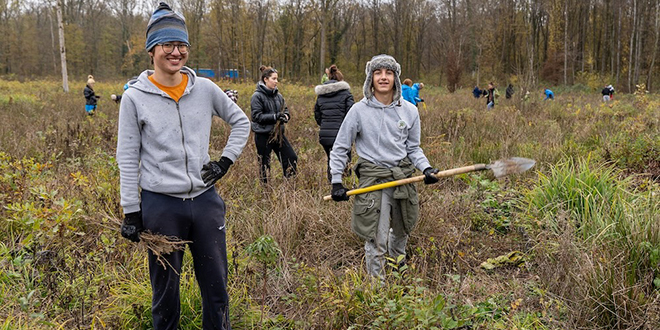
131	208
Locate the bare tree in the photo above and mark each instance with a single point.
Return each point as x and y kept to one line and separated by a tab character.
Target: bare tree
60	28
324	11
654	52
193	11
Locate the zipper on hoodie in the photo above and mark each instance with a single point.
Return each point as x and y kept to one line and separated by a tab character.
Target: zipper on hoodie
183	143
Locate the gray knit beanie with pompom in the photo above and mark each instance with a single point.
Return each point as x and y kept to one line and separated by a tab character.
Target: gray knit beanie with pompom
382	62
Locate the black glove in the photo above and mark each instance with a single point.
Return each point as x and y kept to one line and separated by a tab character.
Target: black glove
283	118
132	226
213	171
429	178
421	100
339	192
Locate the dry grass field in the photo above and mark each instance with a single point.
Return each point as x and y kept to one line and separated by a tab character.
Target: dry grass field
581	229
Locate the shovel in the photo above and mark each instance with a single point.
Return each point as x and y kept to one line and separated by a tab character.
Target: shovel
500	168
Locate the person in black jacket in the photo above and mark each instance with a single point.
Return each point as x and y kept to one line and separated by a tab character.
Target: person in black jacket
90	97
509	91
608	93
490	96
332	103
269	115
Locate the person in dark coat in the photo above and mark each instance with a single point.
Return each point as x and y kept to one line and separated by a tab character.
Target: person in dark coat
490	96
509	91
608	93
90	97
476	92
269	113
333	101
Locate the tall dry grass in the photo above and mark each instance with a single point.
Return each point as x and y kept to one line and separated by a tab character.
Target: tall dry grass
64	263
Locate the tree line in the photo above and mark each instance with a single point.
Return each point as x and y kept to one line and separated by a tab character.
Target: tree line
452	43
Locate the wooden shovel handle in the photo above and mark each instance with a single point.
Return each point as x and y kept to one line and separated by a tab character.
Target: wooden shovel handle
442	174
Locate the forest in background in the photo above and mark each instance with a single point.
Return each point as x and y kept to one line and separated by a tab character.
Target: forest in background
452	43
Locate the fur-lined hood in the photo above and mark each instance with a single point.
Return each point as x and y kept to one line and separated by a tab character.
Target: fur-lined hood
331	86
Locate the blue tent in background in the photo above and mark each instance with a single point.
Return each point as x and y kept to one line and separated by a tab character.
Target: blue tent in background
213	74
206	73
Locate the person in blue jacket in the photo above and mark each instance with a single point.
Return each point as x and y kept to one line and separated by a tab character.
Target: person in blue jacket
415	92
406	91
548	94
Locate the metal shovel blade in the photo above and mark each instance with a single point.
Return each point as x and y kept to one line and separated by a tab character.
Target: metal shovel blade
513	165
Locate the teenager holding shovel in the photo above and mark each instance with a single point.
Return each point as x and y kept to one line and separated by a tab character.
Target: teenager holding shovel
166	174
269	115
386	133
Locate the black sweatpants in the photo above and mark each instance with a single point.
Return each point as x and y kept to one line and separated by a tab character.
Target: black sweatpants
285	154
202	221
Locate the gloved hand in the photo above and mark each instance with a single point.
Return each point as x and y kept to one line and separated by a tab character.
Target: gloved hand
132	226
429	178
339	192
283	118
421	100
213	171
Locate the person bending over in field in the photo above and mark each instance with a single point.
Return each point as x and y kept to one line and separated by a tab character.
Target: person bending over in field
167	176
416	87
386	133
549	95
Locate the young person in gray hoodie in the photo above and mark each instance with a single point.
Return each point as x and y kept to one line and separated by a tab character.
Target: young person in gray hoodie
167	176
386	133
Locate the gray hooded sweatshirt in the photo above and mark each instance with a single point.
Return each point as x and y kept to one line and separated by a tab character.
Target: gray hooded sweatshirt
162	145
383	135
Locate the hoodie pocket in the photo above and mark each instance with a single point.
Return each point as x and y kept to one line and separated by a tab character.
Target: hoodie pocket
174	172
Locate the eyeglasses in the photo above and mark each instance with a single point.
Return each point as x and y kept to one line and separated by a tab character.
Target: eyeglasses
168	48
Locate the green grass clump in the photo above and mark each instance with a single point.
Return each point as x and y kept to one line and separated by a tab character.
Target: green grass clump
618	226
592	197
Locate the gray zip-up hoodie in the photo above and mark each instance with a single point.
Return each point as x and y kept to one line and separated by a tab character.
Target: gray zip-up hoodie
383	135
162	145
